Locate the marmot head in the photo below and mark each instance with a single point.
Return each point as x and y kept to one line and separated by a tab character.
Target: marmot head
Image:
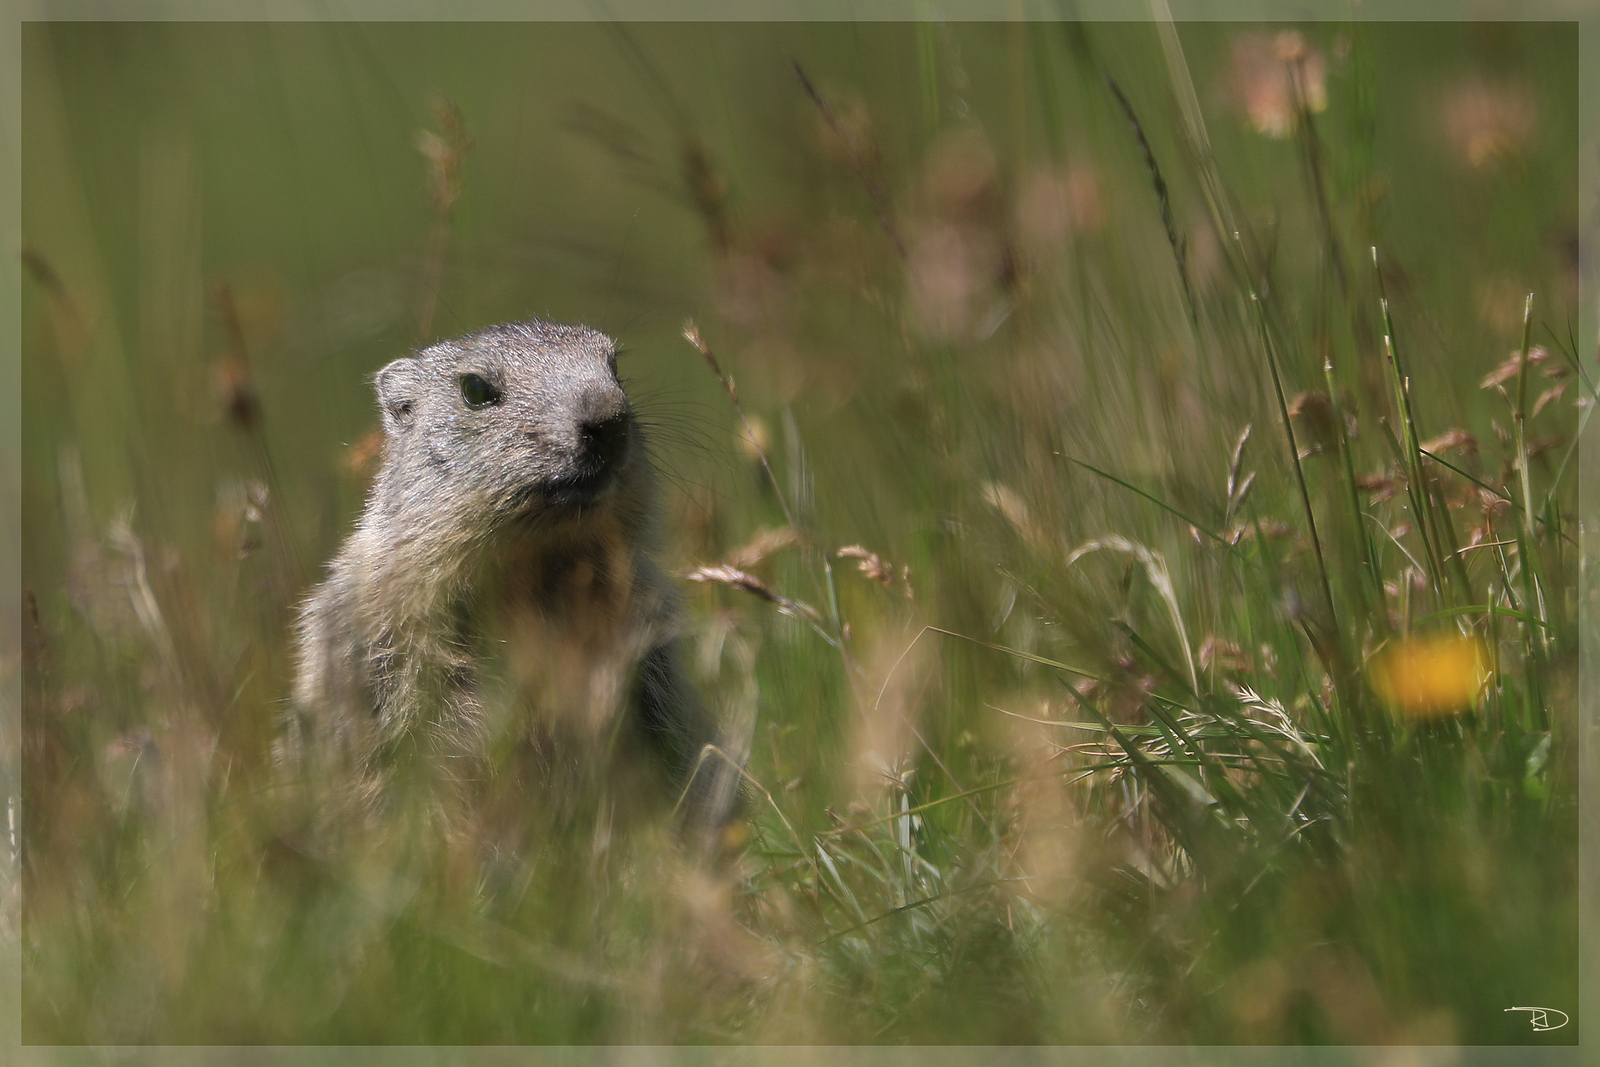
522	422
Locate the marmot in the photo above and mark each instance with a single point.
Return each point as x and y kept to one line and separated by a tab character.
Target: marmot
496	611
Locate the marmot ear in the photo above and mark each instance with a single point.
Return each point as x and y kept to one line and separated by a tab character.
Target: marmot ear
398	389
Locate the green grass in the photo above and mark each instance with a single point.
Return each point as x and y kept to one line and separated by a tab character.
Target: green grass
1139	417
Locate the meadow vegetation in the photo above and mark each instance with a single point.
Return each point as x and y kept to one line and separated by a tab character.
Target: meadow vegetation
1123	476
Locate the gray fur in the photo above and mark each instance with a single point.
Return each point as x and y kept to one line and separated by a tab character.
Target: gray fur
498	588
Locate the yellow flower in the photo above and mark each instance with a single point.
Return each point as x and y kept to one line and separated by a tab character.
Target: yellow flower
1430	675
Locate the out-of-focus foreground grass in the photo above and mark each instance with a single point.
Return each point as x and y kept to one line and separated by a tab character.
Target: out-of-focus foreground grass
1170	498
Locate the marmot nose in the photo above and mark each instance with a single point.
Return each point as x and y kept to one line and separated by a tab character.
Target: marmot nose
603	425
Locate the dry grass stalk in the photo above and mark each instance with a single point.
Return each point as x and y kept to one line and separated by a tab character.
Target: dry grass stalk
873	566
734	578
763	544
691	333
446	153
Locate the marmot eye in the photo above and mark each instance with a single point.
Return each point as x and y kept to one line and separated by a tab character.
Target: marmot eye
477	392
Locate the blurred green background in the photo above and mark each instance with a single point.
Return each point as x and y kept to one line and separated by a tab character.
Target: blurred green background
939	276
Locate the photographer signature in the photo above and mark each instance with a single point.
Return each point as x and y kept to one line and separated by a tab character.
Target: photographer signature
1542	1017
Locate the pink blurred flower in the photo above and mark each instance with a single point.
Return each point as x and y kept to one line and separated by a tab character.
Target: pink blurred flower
1268	69
1486	122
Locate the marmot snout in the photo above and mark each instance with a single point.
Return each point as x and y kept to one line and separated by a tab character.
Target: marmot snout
527	418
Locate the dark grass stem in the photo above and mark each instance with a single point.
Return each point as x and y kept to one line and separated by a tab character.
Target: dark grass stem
1271	351
1164	506
1372	580
1572	448
1449	543
1219	204
1516	505
1311	145
1521	416
1532	601
1410	450
880	198
1163	199
1533	658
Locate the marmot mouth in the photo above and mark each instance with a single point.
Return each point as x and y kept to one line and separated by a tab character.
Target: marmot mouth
565	494
580	488
558	496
